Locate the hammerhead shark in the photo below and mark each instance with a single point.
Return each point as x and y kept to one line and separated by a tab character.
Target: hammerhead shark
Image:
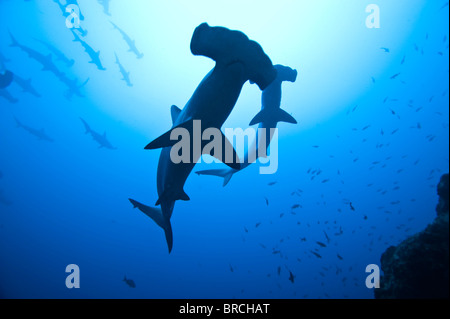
4	93
99	138
238	60
131	43
125	74
40	134
94	55
44	60
270	115
26	85
60	56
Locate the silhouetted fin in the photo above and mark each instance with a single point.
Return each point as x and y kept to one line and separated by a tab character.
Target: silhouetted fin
175	112
165	141
171	195
226	148
272	115
156	215
225	173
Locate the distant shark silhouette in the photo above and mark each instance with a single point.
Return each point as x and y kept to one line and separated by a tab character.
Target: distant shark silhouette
94	55
131	43
40	134
26	85
100	139
4	93
125	74
58	54
237	60
45	61
270	115
72	87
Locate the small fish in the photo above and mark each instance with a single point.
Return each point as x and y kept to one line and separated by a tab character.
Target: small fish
386	50
267	201
295	206
257	224
271	183
291	277
394	76
326	236
315	254
129	282
231	268
351	206
340	257
321	244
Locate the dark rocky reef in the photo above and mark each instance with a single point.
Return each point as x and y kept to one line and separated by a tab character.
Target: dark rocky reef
418	267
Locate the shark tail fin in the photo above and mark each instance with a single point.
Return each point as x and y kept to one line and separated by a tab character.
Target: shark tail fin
225	173
156	215
277	115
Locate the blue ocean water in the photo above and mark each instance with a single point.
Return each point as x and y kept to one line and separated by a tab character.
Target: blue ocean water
357	174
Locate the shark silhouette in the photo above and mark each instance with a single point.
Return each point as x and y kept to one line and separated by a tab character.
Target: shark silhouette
57	53
40	134
131	43
238	60
270	115
99	138
44	60
73	88
94	55
125	74
4	93
26	85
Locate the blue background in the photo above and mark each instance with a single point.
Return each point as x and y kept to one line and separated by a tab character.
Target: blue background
69	199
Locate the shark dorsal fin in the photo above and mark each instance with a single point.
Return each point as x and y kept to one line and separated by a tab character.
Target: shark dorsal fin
175	112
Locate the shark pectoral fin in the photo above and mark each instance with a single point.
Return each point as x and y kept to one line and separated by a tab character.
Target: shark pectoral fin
165	140
225	173
174	112
152	212
227	154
